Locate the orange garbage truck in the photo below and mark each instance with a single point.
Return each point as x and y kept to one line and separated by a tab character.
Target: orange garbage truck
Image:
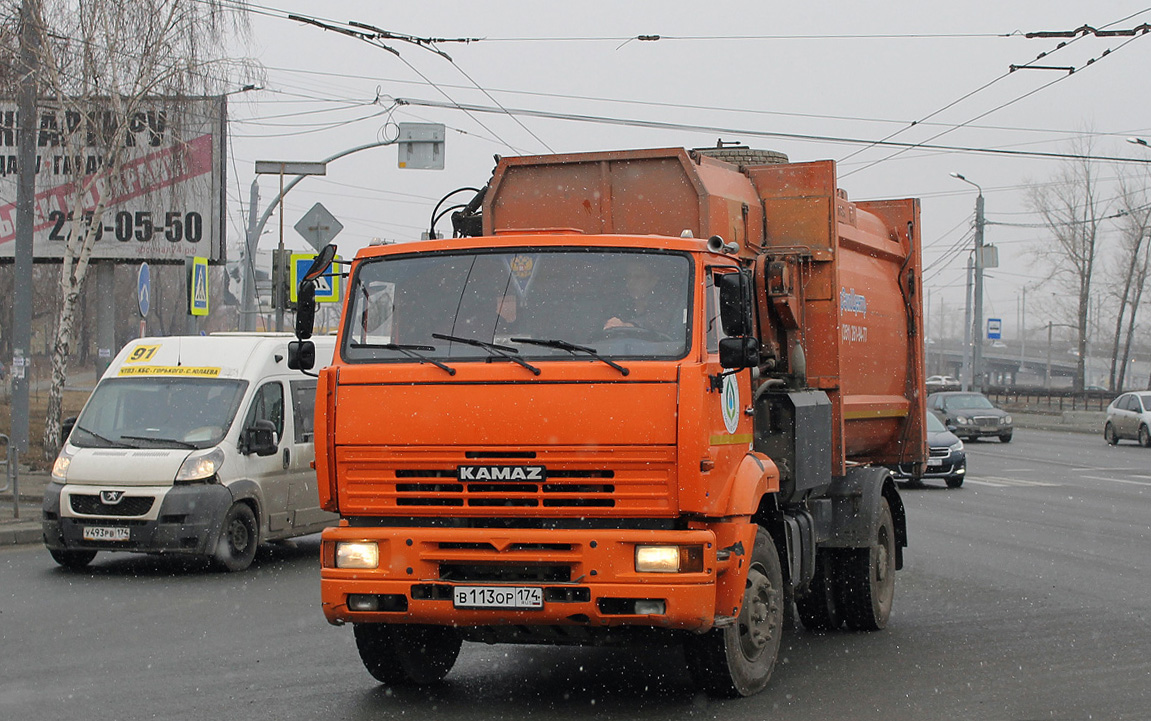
644	396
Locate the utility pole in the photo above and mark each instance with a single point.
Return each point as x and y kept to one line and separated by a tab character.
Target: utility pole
965	380
25	219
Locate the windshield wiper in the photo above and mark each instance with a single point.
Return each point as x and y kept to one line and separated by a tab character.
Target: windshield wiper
158	439
411	351
501	350
111	443
571	348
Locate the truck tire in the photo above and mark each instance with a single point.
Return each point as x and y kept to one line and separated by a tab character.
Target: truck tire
407	654
737	660
818	608
866	582
72	559
238	539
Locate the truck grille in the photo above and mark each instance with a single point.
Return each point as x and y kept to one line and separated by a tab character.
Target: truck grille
574	480
91	505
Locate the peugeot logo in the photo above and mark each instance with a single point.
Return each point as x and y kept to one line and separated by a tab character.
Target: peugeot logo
111	498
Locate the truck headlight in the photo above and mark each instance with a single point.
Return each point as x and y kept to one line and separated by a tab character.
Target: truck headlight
200	468
60	467
668	559
357	554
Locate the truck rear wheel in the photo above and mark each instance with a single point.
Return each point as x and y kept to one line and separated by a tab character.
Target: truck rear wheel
737	660
866	584
407	654
818	608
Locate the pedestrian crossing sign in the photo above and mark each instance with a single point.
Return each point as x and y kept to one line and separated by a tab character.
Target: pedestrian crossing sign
327	285
198	286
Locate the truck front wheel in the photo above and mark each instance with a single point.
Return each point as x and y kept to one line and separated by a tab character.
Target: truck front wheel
867	577
407	654
737	660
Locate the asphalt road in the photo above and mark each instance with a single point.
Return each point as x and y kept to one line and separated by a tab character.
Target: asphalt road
1025	596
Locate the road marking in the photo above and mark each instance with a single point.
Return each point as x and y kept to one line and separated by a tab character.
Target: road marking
1118	480
1000	482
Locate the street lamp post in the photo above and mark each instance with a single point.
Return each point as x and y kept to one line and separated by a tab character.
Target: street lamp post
977	350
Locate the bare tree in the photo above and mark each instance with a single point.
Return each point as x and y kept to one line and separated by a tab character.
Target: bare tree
1132	265
101	70
1072	211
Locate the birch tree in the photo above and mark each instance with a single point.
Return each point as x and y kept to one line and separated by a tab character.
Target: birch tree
101	68
1071	209
1131	268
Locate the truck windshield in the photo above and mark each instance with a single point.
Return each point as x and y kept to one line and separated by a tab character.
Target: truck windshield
158	412
619	304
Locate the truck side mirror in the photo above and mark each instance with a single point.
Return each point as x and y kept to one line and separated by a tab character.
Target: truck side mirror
301	355
305	309
742	352
735	304
259	438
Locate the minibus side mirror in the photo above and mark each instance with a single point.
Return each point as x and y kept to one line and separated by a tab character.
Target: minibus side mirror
259	438
66	427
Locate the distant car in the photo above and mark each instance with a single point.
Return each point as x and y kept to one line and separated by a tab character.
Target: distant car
971	415
1129	416
946	457
936	384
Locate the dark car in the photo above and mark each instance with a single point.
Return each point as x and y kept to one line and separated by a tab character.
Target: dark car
971	415
946	458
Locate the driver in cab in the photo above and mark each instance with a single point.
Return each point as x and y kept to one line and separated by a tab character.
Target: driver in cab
641	308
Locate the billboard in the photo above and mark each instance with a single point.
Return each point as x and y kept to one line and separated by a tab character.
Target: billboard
165	205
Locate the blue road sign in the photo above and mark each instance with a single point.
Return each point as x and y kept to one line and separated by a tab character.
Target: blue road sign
994	328
198	300
327	285
144	289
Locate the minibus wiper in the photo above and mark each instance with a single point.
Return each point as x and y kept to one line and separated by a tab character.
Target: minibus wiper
500	350
109	441
158	439
411	351
571	348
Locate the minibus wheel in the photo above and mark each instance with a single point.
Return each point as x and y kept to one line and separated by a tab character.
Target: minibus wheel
238	539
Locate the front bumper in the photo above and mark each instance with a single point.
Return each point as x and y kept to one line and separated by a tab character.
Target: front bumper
587	577
972	430
188	521
949	466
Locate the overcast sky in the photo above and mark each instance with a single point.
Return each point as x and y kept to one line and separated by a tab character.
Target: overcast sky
840	70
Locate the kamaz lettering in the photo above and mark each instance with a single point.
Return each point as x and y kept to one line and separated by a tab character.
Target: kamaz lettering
501	473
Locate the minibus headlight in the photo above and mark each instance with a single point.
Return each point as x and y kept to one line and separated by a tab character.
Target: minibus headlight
668	559
60	467
357	554
200	468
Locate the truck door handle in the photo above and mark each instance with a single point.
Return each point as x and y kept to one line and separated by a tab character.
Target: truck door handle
287	458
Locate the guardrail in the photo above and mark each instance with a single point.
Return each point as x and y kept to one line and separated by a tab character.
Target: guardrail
1046	399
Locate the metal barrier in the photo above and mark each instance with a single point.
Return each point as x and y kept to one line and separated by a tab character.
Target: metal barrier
1042	399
